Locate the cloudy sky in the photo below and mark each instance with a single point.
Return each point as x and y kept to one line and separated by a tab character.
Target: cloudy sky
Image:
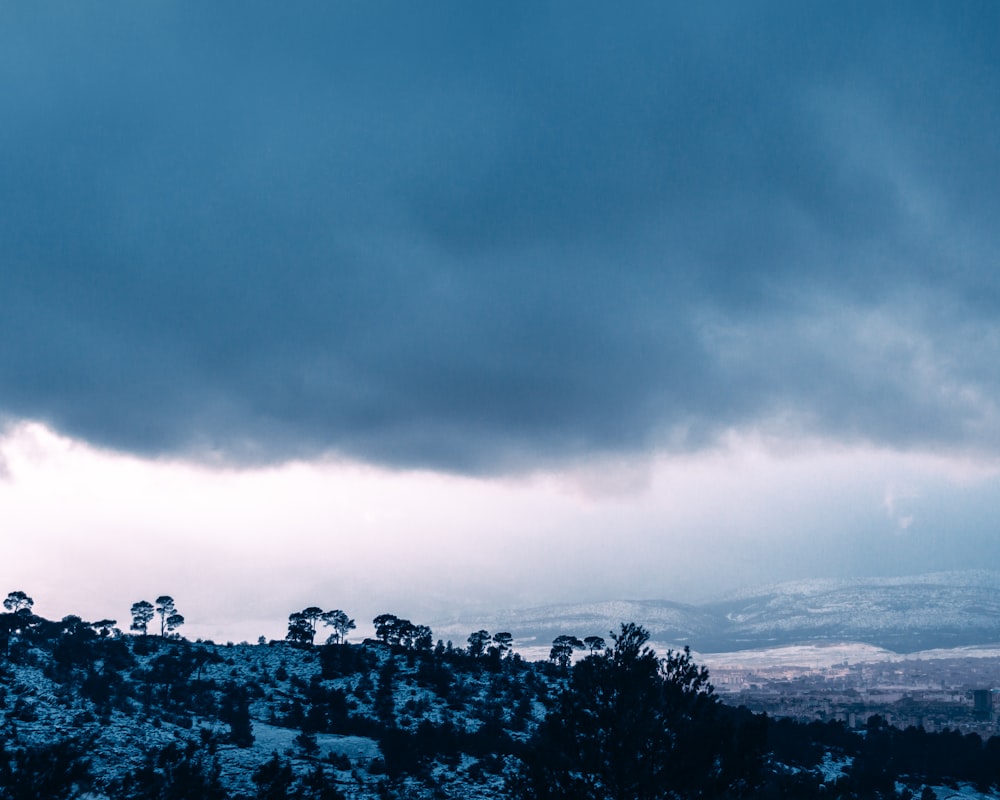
408	308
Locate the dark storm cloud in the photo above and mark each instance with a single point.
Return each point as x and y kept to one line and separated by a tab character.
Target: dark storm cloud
485	238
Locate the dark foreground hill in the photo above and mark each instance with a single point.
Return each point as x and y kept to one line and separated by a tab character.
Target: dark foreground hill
87	712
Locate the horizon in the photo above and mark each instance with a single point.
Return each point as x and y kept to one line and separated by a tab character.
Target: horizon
476	308
447	627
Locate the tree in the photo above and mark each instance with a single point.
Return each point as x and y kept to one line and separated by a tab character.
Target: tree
387	628
633	727
302	625
174	621
142	615
235	709
393	630
503	643
312	615
562	650
59	769
594	643
170	620
105	628
422	638
404	633
8	625
170	772
18	603
317	785
340	623
478	642
299	630
274	779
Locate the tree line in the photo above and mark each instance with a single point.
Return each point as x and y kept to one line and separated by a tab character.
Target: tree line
303	627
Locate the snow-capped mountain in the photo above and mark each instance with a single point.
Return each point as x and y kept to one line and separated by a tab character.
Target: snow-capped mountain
665	620
946	609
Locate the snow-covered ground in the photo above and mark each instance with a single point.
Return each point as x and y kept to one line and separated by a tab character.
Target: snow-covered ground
820	656
38	709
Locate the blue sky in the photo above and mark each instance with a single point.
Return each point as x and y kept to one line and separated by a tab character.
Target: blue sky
548	285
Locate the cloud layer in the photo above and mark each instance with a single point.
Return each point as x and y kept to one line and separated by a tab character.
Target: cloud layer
482	240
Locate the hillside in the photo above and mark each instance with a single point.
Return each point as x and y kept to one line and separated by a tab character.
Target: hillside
89	712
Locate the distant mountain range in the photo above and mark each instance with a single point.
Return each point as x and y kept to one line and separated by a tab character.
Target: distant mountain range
937	610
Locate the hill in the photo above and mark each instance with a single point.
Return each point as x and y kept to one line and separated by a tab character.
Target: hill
939	610
87	712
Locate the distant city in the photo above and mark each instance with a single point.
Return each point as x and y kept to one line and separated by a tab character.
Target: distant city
935	694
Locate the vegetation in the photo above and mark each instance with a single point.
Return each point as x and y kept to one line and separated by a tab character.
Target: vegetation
86	708
170	620
142	615
631	726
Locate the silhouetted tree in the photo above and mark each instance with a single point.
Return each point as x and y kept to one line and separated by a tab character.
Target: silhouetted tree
503	643
299	629
312	615
405	631
340	623
562	650
478	642
302	625
594	643
422	637
387	628
142	615
170	620
394	630
17	602
383	624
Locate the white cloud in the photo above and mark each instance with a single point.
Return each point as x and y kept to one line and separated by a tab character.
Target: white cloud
89	532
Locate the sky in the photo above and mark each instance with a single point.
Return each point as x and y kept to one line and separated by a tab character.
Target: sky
421	309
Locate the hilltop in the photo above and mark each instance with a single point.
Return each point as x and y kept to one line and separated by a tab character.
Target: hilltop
87	711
